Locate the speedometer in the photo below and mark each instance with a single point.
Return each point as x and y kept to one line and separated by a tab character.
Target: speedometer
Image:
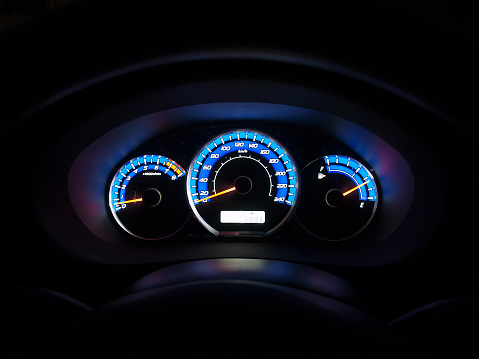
242	183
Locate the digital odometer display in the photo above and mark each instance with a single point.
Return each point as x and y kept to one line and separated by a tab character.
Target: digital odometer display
242	216
242	183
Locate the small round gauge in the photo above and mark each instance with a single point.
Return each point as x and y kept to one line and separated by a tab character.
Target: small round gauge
147	197
339	197
242	183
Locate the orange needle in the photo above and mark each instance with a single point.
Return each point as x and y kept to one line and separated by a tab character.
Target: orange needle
214	195
355	188
131	201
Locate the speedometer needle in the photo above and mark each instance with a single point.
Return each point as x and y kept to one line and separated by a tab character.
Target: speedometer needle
131	201
216	194
354	189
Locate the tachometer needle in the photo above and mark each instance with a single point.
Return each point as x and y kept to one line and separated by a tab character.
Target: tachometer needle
355	188
216	194
131	201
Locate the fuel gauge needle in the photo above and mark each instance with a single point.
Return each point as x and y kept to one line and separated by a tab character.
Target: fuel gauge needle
131	201
215	195
354	189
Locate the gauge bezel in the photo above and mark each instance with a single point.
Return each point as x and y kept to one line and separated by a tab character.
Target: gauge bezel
173	167
373	211
247	233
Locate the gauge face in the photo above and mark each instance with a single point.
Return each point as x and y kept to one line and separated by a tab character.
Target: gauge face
147	197
242	183
339	197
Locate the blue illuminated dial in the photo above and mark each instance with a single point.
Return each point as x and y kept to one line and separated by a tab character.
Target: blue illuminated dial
242	183
146	197
340	197
361	177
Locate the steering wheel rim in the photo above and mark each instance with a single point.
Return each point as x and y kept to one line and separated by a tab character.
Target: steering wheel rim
222	317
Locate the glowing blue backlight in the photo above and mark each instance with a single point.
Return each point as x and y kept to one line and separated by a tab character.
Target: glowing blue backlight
242	144
360	176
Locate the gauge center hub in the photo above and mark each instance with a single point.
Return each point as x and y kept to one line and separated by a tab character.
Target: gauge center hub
152	197
243	185
334	198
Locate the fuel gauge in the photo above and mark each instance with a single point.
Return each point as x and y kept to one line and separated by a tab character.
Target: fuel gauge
339	197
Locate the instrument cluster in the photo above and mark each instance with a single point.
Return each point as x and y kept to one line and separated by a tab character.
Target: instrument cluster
244	182
233	179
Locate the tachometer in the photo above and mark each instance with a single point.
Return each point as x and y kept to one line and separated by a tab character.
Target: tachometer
147	197
340	197
242	183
